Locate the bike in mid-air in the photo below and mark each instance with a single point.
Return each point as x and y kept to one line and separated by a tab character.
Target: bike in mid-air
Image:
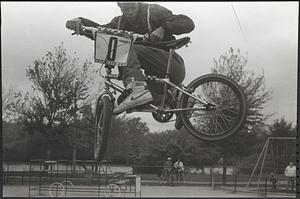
211	107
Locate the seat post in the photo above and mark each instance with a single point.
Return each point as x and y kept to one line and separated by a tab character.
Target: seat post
171	53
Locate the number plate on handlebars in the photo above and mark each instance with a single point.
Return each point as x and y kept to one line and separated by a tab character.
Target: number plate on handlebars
111	49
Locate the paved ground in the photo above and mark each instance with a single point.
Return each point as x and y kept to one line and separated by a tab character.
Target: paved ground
147	191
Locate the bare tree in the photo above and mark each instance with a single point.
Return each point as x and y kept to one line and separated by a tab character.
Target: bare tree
61	87
233	64
11	98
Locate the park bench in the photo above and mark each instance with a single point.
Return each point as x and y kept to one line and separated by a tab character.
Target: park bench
122	182
9	176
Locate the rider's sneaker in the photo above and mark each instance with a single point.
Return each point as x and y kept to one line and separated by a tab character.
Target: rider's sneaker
139	95
179	122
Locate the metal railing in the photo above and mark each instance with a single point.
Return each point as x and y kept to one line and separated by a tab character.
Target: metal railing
87	172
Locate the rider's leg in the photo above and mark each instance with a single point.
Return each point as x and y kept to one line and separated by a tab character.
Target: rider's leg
154	61
134	81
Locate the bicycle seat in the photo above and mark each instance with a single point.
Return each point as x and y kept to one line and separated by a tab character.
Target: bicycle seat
172	44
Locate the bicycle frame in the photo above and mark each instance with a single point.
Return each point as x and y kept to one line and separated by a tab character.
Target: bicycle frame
166	81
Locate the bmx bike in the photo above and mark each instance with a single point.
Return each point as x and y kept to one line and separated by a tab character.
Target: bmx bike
211	107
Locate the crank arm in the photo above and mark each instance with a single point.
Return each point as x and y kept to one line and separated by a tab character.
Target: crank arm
149	108
187	109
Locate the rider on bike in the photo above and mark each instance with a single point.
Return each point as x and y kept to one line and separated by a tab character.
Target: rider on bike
158	24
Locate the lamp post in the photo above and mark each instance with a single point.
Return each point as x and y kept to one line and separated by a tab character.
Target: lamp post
75	100
75	117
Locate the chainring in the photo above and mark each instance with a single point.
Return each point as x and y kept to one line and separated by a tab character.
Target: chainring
161	115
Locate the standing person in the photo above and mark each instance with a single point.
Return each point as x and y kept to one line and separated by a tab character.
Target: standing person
162	175
290	173
167	170
179	170
273	181
159	24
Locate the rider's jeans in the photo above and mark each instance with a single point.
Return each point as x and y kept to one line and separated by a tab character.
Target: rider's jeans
154	61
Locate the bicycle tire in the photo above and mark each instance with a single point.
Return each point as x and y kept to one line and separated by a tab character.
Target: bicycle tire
103	124
226	113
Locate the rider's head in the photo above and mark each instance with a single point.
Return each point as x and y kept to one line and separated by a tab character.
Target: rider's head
130	10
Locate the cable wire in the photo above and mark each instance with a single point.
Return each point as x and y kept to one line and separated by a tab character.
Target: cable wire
238	22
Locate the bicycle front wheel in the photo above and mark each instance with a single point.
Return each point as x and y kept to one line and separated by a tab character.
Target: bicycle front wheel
103	124
225	114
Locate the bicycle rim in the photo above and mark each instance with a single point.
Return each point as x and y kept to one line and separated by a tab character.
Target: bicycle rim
229	111
103	124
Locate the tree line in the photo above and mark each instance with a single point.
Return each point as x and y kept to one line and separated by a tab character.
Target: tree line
55	119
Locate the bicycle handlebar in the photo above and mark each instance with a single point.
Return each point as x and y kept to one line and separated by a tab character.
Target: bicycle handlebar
114	32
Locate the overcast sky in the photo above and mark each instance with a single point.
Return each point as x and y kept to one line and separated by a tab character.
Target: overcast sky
269	35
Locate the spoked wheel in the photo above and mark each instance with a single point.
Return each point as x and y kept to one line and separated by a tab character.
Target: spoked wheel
225	114
112	190
56	189
103	124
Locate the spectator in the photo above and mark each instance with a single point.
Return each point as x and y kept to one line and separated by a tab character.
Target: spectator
290	173
273	181
161	175
167	170
179	169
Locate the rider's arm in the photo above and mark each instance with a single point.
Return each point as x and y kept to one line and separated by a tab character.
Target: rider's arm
172	24
113	23
89	23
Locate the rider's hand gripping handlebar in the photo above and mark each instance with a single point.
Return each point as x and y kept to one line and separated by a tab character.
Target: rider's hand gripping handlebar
132	35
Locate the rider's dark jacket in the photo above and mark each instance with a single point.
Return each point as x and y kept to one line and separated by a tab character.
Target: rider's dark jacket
150	17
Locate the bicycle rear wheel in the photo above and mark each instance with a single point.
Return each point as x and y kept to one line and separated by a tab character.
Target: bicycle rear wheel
103	124
226	113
